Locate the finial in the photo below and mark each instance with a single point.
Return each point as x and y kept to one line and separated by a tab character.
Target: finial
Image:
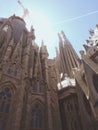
86	47
32	29
32	34
60	39
58	34
82	53
13	16
64	36
91	31
56	49
42	43
97	26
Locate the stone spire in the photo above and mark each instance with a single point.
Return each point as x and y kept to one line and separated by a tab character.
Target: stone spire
43	51
62	61
69	58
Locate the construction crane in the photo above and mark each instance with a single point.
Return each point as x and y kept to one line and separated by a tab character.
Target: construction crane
26	13
25	10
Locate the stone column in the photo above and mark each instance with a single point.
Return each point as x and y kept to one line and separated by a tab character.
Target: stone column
18	106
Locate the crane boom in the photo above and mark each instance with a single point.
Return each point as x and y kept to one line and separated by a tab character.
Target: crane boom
25	10
19	2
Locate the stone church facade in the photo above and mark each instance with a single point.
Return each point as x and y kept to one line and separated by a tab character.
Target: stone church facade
29	96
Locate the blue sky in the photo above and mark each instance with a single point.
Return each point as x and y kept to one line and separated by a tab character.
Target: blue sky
57	11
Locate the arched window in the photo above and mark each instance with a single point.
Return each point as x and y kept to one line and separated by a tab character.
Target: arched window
5	101
36	117
95	81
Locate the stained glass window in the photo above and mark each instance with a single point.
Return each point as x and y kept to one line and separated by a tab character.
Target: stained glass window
36	117
5	100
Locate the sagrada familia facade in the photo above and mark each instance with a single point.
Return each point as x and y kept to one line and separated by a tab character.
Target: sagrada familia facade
34	94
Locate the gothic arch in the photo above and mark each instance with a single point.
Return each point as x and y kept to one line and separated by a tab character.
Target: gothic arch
10	84
38	100
37	115
6	97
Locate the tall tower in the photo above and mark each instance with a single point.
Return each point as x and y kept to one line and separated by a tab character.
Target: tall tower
68	57
76	103
28	81
90	63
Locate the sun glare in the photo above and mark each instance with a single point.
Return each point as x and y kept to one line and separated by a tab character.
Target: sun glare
43	28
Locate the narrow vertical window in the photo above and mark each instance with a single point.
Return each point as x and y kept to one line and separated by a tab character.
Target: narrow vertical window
36	117
5	101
